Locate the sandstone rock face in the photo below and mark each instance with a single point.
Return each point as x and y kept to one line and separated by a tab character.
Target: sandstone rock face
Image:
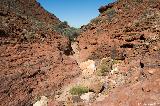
32	58
88	68
87	64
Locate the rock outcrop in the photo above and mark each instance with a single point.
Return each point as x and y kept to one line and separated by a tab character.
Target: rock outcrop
32	58
128	33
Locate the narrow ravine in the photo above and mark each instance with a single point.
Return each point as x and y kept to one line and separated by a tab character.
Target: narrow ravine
88	78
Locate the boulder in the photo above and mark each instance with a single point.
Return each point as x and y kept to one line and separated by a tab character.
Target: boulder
88	97
42	102
88	68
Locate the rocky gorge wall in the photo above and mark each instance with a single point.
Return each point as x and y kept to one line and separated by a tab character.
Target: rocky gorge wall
126	31
33	61
116	59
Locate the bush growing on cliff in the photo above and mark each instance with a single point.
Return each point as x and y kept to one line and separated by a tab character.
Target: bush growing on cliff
110	13
64	29
62	25
60	28
96	20
72	33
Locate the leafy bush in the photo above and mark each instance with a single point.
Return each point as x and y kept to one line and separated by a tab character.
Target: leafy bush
104	68
72	33
110	13
64	29
61	27
102	71
79	90
27	36
96	20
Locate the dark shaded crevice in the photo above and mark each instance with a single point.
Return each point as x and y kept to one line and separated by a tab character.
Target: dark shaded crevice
102	89
30	90
68	50
142	37
32	75
141	65
3	33
3	13
85	48
43	35
90	90
127	46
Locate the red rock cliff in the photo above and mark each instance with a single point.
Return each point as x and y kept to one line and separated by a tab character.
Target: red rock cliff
33	60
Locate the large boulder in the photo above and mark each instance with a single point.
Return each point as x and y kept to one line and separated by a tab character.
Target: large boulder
88	68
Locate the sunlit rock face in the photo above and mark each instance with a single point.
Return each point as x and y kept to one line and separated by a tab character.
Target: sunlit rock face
33	62
88	68
128	33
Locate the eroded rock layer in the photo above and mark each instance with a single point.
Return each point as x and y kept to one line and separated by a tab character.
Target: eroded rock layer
127	31
32	55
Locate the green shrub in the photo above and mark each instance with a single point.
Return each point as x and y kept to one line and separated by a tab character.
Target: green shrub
110	13
60	28
79	90
62	25
64	29
104	68
71	33
102	71
96	20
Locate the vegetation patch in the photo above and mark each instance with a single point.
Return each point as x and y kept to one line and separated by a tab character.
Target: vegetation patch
70	32
96	20
111	12
116	62
79	90
104	68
